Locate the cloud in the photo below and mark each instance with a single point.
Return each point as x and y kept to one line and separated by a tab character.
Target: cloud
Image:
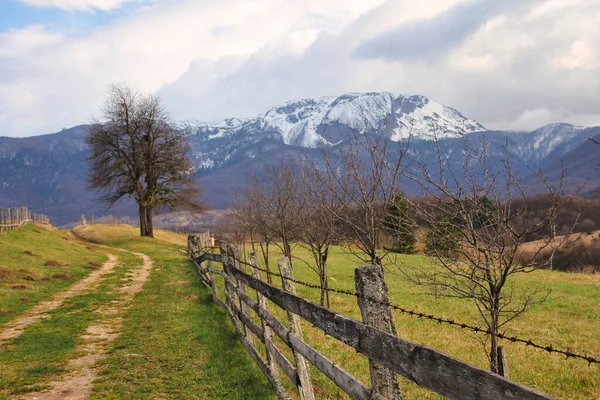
66	75
508	73
78	5
515	65
432	37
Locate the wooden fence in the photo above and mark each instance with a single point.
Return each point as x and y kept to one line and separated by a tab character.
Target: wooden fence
374	337
11	218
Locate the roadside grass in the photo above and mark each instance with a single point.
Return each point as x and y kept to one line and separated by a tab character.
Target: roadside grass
570	318
35	263
41	352
175	343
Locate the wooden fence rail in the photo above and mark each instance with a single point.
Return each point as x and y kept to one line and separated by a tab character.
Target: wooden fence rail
374	337
11	218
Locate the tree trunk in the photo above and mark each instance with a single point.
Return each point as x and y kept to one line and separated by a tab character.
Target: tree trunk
325	276
149	223
265	252
494	344
322	268
142	214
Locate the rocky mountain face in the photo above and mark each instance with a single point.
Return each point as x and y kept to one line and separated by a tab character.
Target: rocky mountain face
48	173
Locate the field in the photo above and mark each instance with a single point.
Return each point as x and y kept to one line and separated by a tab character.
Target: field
570	318
175	343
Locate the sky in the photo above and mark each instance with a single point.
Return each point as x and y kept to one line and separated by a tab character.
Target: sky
509	64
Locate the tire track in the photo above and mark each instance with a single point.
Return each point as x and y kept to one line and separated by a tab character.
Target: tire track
40	311
77	383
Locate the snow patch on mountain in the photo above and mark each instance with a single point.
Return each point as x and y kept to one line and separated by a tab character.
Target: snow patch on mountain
306	122
431	120
297	121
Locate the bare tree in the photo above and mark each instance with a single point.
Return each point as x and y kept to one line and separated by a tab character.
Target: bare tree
475	235
362	177
137	153
273	206
316	223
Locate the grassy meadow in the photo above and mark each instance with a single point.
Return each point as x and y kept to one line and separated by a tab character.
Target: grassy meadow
38	261
176	343
570	318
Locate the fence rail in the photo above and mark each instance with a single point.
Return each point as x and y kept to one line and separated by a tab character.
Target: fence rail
12	218
374	337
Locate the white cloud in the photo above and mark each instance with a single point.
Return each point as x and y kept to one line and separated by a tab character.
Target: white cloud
532	119
524	63
104	5
148	49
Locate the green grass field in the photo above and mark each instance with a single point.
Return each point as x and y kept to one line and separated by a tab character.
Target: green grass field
176	343
570	318
35	263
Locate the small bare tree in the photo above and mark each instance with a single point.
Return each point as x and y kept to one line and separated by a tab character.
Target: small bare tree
475	235
361	178
274	206
316	223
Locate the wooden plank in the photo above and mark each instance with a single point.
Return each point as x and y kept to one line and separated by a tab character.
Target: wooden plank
255	329
262	365
236	255
274	323
217	272
426	367
283	362
349	384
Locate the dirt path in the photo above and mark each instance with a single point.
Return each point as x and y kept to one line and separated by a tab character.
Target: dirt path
40	311
76	384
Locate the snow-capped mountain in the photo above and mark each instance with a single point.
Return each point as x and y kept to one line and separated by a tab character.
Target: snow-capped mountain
311	123
315	121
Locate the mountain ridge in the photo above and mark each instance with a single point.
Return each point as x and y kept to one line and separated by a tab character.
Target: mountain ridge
48	172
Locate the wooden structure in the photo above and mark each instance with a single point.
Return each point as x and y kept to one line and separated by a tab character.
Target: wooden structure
389	355
12	218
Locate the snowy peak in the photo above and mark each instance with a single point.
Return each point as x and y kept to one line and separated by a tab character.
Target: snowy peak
546	139
314	121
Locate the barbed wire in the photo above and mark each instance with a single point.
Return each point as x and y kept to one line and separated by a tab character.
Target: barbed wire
477	329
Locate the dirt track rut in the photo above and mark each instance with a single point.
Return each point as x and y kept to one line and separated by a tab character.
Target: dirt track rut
76	384
40	311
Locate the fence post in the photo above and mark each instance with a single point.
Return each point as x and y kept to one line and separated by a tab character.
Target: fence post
502	362
236	255
262	303
267	331
370	284
305	385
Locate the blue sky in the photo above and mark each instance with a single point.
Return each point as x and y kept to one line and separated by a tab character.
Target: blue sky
509	64
15	14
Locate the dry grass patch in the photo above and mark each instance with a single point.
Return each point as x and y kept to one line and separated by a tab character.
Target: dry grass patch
120	234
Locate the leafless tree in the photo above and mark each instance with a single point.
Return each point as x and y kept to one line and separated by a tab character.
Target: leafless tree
274	207
361	178
475	236
316	223
135	152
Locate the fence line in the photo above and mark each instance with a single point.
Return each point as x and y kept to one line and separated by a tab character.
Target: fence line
442	320
428	368
12	218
